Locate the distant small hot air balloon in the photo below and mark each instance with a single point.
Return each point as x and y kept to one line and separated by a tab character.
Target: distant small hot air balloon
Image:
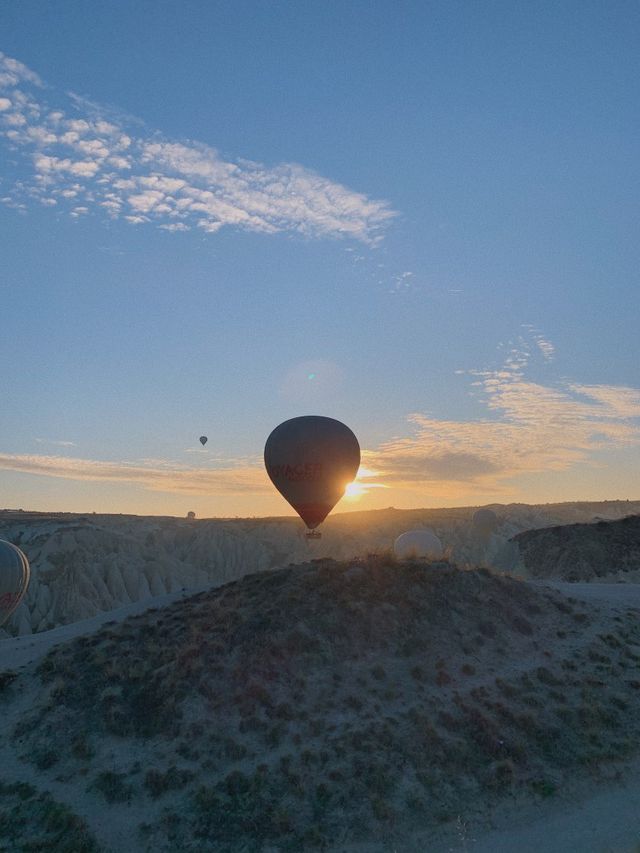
311	460
485	521
14	578
203	440
418	543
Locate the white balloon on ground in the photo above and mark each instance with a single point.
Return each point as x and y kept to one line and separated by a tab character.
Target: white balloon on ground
418	543
14	578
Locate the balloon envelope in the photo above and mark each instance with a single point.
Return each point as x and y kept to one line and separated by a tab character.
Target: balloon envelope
418	543
203	440
14	578
311	460
485	520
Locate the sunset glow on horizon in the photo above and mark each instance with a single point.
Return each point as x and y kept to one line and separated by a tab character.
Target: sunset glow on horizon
440	255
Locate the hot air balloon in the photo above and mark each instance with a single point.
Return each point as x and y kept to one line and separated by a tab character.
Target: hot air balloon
485	521
14	578
310	461
203	440
418	543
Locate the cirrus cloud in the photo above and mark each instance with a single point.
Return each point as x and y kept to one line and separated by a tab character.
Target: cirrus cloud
176	185
528	428
153	475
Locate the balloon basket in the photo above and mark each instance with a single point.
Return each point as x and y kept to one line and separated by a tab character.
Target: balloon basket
313	534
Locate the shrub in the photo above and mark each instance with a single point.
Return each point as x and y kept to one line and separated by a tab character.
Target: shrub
506	689
487	629
45	758
81	748
543	787
6	679
501	774
443	678
113	787
158	783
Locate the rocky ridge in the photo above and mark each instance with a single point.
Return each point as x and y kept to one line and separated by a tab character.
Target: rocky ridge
83	565
603	551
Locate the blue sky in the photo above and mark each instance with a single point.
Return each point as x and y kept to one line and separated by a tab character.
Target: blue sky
431	208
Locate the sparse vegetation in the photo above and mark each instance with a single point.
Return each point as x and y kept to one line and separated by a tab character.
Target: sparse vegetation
296	706
6	679
158	783
582	552
33	821
113	787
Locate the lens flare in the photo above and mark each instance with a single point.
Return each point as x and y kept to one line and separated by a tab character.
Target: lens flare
362	485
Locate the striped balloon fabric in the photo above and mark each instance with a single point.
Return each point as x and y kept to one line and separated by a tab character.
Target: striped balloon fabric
14	578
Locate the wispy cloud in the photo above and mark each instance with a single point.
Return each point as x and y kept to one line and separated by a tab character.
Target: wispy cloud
54	442
403	282
85	163
544	345
154	475
528	427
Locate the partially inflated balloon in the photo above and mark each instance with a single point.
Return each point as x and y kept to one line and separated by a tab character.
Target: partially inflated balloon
485	520
310	461
14	578
418	543
203	440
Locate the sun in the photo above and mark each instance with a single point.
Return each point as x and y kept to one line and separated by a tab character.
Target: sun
358	489
355	491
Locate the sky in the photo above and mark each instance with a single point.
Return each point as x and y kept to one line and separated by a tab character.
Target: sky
420	218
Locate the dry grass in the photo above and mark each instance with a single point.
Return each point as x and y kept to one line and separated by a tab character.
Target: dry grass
297	706
32	821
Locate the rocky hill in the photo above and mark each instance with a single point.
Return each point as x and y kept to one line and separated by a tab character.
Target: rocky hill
604	550
314	707
83	565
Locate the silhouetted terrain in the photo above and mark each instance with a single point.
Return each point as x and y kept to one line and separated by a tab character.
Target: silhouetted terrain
320	705
87	564
605	550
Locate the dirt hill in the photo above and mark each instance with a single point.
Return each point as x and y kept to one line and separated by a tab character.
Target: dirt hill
605	550
315	706
87	564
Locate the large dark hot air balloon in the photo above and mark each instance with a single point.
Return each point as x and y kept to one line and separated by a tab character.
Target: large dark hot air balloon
203	440
310	461
14	578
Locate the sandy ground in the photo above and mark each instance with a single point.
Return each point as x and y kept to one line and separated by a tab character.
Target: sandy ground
605	822
19	651
602	821
597	821
106	822
622	594
591	819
